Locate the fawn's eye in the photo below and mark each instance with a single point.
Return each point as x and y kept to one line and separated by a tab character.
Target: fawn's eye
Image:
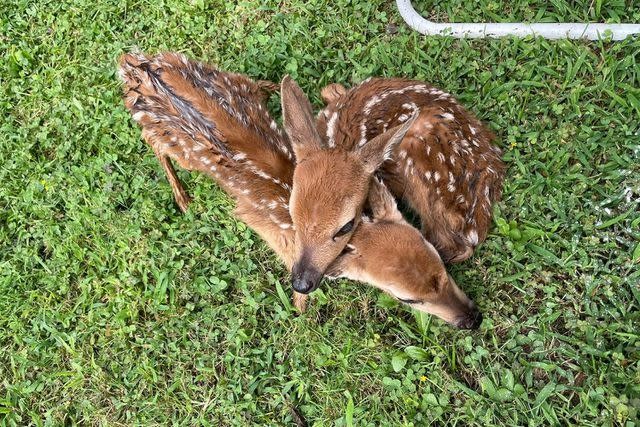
345	229
410	301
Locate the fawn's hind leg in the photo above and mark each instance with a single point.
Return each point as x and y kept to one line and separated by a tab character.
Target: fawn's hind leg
300	301
182	199
332	92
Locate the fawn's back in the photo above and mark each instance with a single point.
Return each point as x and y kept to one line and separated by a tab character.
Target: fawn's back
446	166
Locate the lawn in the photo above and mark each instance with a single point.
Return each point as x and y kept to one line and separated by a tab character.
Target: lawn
116	309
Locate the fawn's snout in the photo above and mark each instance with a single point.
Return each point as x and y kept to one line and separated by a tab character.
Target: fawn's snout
305	277
471	320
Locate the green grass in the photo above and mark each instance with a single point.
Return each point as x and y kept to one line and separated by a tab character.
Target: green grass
115	309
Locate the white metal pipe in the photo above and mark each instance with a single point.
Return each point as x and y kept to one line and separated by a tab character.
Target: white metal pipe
573	30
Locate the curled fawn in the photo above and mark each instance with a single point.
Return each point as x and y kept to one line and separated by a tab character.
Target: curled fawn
446	167
215	122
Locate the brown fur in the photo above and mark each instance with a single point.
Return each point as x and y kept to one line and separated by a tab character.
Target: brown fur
329	186
446	167
234	140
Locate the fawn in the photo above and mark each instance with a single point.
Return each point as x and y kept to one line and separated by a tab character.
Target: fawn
446	167
330	185
216	123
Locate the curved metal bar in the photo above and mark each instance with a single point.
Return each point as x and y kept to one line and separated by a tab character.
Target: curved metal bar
573	30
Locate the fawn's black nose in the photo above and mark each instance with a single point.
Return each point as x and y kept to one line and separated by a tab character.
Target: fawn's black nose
305	280
471	321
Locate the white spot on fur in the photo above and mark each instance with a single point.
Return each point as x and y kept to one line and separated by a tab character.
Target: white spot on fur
436	177
331	129
370	103
428	175
472	237
239	156
260	173
441	157
139	115
419	88
273	125
122	74
363	134
447	116
408	168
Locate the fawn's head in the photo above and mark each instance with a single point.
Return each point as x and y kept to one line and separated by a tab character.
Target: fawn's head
392	255
330	186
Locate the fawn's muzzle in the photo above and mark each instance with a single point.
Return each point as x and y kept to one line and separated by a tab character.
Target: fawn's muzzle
305	279
471	320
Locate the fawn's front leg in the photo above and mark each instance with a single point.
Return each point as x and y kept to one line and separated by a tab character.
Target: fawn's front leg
182	199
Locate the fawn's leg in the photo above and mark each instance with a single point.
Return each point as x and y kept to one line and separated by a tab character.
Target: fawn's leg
268	86
182	199
266	89
300	301
332	92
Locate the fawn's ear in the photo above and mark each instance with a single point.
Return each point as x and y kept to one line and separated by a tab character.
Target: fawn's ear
298	121
382	203
376	151
332	92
